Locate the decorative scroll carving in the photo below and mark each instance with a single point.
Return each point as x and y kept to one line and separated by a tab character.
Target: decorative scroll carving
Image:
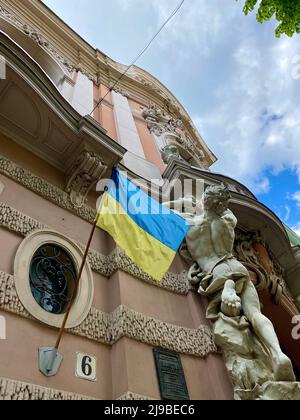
159	124
17	222
268	271
11	390
44	189
123	322
83	176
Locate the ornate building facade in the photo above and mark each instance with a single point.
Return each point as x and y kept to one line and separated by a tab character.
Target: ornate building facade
53	152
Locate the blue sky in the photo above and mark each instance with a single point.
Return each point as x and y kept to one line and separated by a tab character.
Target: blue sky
231	74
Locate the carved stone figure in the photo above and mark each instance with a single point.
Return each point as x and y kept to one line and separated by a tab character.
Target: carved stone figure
259	368
161	124
169	153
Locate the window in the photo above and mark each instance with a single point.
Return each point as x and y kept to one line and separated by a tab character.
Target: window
52	278
45	271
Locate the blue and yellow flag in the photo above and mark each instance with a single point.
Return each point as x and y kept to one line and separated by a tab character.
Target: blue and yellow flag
148	233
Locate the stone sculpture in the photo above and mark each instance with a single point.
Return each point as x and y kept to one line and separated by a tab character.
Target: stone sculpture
170	153
259	368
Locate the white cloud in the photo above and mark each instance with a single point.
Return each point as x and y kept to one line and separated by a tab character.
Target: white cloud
262	186
287	214
296	197
231	74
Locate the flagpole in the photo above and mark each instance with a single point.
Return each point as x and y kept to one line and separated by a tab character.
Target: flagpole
75	290
54	350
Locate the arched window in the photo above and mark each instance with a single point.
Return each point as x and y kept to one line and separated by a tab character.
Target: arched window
52	278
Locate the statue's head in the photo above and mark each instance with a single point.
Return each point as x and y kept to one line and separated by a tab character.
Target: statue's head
216	198
169	153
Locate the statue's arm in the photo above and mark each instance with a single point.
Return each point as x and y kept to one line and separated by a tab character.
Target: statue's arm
229	217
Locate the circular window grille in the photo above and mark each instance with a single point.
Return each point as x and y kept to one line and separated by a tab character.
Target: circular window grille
52	275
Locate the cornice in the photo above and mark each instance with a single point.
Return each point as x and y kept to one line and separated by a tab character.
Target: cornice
109	328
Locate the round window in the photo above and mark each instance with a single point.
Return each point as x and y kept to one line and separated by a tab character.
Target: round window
52	278
45	271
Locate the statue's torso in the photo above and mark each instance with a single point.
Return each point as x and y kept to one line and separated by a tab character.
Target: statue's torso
209	240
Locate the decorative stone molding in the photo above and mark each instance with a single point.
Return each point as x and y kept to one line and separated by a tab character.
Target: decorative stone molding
268	271
9	300
11	390
44	189
21	224
123	322
83	175
44	43
131	396
161	124
79	68
17	222
121	91
177	283
36	37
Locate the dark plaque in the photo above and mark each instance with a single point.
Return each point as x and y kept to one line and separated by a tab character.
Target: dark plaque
171	375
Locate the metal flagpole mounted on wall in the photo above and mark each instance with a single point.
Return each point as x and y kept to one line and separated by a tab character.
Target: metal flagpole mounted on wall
49	357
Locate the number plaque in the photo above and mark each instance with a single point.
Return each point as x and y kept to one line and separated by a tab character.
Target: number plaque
171	375
86	367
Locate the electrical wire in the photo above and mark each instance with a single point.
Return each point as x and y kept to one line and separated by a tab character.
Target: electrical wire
139	55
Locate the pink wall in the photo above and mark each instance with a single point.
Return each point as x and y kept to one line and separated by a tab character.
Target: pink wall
126	366
104	113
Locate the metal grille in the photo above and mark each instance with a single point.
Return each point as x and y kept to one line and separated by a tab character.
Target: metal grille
52	278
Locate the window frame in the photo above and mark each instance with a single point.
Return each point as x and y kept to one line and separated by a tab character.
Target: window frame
85	295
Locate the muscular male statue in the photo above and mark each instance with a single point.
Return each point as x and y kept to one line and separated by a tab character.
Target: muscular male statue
223	278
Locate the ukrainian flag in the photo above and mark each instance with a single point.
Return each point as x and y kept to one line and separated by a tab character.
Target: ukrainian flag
149	233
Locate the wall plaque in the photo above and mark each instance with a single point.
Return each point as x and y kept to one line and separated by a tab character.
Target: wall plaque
170	375
86	367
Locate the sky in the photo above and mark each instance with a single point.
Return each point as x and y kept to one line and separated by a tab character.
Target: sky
239	84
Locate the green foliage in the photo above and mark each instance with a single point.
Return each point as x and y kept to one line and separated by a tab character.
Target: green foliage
287	12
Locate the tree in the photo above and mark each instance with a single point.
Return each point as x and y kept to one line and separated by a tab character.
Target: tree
287	12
